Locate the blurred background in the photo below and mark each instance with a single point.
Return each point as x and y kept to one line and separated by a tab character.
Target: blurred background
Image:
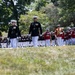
50	13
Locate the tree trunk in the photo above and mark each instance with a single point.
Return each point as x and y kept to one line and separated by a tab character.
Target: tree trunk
15	12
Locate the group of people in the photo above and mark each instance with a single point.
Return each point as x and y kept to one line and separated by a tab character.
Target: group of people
34	31
58	37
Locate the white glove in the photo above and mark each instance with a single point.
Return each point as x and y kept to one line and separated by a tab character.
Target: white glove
18	38
29	35
40	35
8	39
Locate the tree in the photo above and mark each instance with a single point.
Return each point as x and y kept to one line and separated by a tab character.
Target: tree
51	12
41	3
67	12
12	9
4	16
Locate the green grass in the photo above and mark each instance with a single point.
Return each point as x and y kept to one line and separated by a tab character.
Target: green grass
38	61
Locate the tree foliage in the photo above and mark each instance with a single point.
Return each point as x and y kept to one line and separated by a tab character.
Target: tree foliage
67	11
12	9
50	12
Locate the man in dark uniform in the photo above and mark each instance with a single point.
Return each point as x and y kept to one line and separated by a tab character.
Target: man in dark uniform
13	34
35	31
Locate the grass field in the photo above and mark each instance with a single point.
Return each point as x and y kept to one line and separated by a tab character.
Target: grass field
38	61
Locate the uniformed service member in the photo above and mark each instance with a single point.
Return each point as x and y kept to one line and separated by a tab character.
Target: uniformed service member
58	34
13	34
35	30
47	37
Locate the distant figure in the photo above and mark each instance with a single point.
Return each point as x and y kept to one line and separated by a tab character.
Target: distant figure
14	34
35	31
73	36
53	39
68	36
59	36
47	37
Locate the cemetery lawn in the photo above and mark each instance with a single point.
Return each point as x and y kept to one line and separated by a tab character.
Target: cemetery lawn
38	61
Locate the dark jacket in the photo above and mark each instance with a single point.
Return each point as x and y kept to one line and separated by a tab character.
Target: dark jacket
14	32
35	29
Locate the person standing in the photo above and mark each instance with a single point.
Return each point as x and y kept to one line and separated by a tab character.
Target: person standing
13	34
35	31
58	33
69	36
47	37
73	36
53	39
